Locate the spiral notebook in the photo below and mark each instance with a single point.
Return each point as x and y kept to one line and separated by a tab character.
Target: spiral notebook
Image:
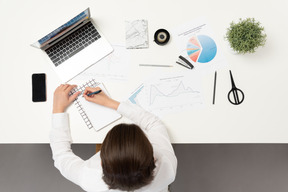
94	115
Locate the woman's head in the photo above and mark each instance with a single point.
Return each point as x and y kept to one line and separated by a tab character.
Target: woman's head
127	158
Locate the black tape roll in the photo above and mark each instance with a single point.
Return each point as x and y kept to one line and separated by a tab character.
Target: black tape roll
161	36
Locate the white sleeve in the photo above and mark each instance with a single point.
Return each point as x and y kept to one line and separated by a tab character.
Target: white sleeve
65	160
152	126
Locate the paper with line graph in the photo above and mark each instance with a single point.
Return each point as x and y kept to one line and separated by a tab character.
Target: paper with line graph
169	93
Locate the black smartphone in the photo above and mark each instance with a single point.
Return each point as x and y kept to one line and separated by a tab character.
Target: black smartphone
38	87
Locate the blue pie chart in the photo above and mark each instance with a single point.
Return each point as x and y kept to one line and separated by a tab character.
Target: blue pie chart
201	49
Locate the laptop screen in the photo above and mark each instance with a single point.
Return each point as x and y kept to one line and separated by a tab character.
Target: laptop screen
62	29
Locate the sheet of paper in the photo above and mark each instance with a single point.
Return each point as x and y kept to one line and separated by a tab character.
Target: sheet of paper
169	93
136	34
115	66
197	43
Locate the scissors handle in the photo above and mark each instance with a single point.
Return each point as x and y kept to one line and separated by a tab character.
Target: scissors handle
236	99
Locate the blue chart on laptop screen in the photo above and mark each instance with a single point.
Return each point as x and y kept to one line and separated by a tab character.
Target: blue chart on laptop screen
84	14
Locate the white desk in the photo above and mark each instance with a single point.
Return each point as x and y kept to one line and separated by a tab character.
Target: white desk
262	118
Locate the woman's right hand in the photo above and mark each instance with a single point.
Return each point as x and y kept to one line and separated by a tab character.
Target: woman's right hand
100	98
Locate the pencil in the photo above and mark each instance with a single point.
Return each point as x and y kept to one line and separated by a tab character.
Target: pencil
152	65
214	91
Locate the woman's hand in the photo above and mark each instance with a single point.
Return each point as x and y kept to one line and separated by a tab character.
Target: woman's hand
100	98
62	99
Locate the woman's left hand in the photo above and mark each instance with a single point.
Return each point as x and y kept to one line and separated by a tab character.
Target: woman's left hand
62	99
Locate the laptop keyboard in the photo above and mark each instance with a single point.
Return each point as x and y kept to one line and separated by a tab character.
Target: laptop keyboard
73	43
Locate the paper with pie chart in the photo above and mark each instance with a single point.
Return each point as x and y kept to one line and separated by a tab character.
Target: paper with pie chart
201	49
197	43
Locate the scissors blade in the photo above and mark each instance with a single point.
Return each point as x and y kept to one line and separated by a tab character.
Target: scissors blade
232	80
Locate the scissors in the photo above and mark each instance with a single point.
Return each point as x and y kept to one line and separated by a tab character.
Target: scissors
238	95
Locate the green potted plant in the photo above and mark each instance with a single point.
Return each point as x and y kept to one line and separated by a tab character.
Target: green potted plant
245	36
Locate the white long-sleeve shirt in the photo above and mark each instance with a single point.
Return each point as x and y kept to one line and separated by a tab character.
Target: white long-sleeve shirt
88	174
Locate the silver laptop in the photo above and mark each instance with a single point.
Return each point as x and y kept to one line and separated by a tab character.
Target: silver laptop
74	46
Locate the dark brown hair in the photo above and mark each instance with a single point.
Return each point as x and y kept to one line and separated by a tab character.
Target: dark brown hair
127	158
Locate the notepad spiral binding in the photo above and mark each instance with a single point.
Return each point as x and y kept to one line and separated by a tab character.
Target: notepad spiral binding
90	83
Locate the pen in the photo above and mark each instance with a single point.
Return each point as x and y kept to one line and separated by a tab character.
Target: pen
96	92
214	90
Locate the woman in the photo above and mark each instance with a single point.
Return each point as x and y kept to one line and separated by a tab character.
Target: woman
133	157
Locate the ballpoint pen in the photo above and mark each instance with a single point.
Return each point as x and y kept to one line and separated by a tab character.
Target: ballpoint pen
95	92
